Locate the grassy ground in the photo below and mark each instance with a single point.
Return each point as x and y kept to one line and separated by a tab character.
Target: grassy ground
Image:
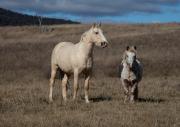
24	67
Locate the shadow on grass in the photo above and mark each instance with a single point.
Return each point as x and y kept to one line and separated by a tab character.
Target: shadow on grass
150	100
44	101
100	98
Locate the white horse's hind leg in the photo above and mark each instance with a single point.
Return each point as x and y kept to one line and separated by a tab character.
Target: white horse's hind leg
64	87
51	82
75	84
86	88
68	88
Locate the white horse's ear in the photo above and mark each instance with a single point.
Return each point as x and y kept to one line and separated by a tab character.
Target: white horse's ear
99	25
94	25
127	48
82	37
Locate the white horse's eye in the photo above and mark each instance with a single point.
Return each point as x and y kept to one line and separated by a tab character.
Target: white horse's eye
96	32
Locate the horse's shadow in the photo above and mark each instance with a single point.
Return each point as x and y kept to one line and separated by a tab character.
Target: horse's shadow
100	98
140	100
149	100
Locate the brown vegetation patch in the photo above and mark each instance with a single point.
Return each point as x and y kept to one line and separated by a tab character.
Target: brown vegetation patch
25	62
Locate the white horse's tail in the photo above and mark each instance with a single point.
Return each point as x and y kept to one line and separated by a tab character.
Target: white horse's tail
59	74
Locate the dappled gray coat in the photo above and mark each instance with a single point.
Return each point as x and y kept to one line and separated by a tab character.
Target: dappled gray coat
134	74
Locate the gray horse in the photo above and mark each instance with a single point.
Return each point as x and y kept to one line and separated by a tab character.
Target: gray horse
131	73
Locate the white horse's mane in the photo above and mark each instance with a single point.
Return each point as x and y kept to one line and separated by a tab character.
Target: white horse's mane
83	35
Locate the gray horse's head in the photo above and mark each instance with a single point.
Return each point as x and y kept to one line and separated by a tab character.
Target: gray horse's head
130	56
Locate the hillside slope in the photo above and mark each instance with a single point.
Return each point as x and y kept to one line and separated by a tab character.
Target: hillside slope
10	18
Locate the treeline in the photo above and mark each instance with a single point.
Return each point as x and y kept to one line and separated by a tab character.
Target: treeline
10	18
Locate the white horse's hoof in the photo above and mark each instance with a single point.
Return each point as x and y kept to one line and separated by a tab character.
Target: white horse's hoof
65	100
50	100
87	101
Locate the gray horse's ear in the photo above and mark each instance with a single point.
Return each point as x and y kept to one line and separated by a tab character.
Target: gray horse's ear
127	48
135	47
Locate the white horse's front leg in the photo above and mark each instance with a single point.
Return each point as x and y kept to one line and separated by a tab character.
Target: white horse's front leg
75	83
51	81
64	87
86	88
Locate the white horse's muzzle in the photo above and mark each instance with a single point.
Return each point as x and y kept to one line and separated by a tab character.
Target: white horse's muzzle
104	44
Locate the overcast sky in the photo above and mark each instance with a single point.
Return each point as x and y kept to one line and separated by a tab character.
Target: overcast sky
116	11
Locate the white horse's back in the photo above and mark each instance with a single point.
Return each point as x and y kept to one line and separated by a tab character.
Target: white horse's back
61	55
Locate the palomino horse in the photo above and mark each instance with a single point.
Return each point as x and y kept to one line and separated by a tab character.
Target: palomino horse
75	59
131	73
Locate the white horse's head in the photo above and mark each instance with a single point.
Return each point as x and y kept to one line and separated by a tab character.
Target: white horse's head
130	55
98	37
95	35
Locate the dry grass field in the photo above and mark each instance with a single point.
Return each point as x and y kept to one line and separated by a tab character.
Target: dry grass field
25	63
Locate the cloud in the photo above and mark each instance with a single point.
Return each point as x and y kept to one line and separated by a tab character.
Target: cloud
91	8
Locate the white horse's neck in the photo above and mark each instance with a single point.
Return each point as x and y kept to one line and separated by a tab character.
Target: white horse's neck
86	48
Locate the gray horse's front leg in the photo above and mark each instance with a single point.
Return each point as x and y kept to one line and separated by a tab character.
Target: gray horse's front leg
126	91
132	96
136	92
76	76
86	88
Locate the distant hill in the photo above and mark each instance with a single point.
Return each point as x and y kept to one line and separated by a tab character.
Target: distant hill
10	18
